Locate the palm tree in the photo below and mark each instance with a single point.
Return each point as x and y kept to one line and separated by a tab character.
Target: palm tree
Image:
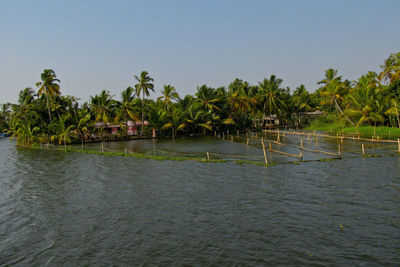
48	86
168	94
83	123
330	75
62	132
391	68
143	86
126	109
195	115
102	106
207	97
269	95
176	122
334	91
394	110
365	106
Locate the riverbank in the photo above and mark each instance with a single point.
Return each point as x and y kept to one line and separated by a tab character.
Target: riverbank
383	132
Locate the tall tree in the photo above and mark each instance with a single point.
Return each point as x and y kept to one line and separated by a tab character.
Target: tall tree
48	86
144	86
169	93
269	95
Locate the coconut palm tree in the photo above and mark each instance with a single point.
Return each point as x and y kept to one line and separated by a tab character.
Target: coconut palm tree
48	86
334	91
330	75
176	121
365	105
103	105
207	97
393	110
62	132
391	68
144	86
168	94
269	95
127	108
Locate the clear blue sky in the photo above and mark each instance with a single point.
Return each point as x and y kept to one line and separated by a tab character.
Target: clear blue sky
94	45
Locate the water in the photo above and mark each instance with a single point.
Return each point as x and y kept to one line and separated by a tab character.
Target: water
72	209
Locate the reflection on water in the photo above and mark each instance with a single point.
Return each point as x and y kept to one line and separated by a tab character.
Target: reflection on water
61	208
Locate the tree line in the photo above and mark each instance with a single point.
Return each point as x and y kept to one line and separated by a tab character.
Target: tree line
45	115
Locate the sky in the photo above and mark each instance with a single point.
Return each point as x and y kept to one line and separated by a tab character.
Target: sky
96	45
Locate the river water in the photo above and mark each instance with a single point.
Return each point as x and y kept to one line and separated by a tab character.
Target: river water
71	209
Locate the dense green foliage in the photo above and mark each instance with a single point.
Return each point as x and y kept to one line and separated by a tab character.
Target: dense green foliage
45	115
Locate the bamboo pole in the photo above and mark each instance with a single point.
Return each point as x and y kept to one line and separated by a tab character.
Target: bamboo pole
398	144
363	149
265	154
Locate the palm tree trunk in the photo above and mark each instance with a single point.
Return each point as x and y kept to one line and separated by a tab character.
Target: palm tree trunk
341	112
142	115
48	107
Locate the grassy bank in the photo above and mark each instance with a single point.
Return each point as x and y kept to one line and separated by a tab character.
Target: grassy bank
383	132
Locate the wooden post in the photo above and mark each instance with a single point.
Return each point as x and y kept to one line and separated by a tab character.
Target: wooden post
208	156
341	140
398	144
278	138
316	142
215	133
232	138
363	149
308	138
247	141
301	143
265	154
339	151
270	147
252	135
102	147
125	151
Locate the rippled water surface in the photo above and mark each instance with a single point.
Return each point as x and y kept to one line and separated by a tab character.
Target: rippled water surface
71	209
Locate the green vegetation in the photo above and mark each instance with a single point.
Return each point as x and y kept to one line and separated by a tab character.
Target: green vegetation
44	115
